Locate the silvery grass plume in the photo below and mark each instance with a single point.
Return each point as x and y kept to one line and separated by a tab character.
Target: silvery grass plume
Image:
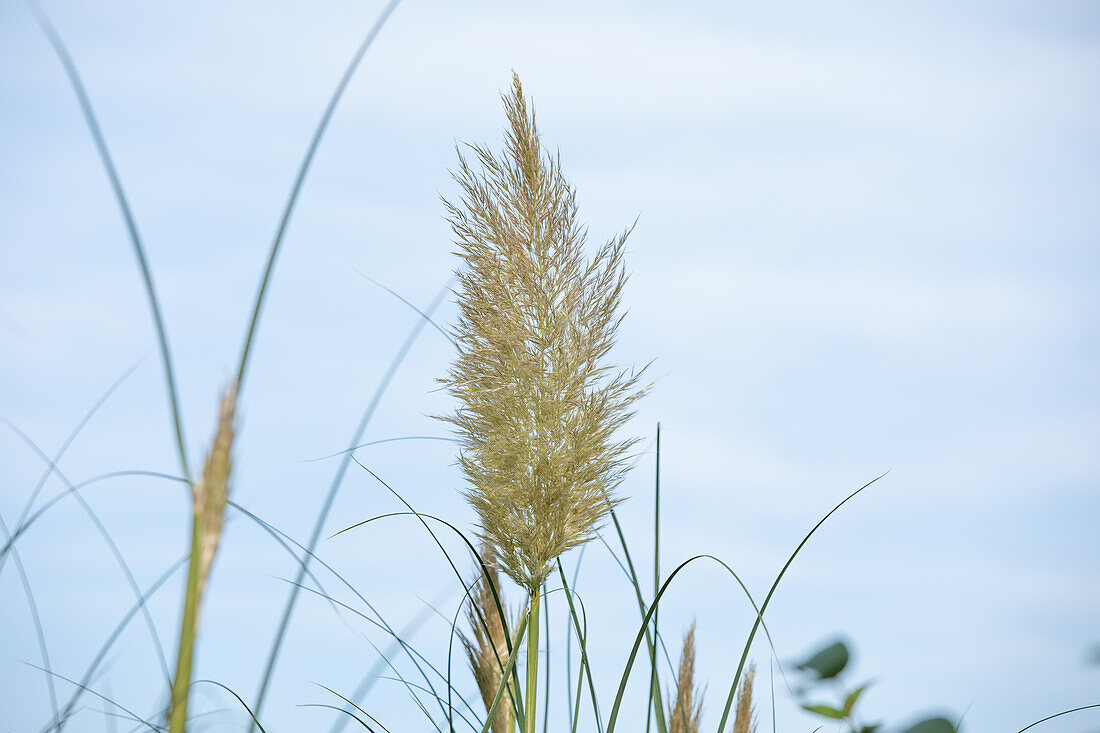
210	495
687	710
743	720
487	649
538	404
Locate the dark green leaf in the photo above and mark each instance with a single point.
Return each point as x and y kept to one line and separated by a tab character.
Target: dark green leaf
829	662
933	725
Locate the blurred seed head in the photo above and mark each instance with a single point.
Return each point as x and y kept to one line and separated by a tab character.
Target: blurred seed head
539	406
212	490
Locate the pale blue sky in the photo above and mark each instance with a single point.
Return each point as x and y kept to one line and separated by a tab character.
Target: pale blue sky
867	241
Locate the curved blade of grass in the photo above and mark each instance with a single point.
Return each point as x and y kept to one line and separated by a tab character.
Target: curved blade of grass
326	706
242	702
60	453
113	637
652	611
106	535
421	688
369	678
381	623
481	563
654	689
36	619
771	678
349	702
333	602
568	648
408	685
655	692
626	574
768	598
330	497
422	314
296	188
453	624
1058	715
642	632
77	84
582	641
85	688
515	694
38	513
380	442
521	631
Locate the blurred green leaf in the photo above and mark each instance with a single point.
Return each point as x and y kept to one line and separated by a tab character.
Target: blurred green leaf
853	696
933	725
825	711
829	662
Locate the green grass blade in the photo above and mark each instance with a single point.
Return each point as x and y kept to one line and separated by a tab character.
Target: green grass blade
515	695
77	84
415	657
84	688
252	715
409	686
768	598
1058	715
36	619
653	610
655	693
642	632
60	453
481	563
546	673
105	648
582	640
508	669
53	501
568	649
296	188
380	442
654	688
532	678
107	538
334	488
364	712
347	713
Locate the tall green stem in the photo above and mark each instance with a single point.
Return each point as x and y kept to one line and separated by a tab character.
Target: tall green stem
177	719
532	662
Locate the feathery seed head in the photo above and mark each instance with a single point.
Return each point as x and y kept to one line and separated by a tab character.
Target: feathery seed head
687	710
743	720
539	407
212	491
487	650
